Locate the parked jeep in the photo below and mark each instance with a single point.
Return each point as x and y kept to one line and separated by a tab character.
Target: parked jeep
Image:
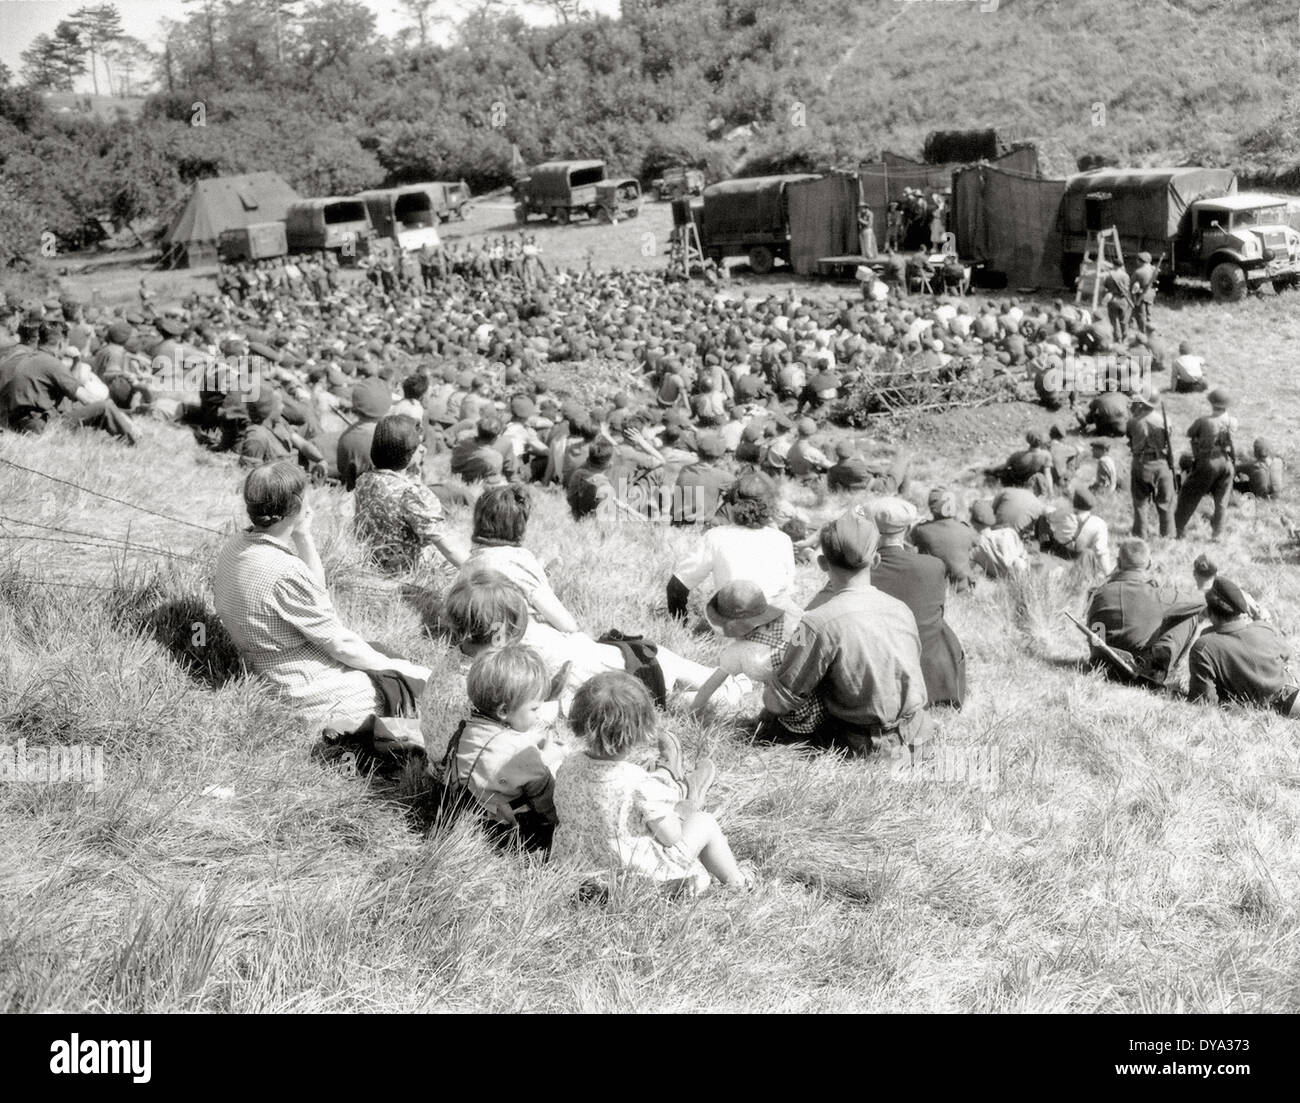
563	190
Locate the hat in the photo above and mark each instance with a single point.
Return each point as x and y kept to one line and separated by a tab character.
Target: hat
172	327
893	515
807	427
942	502
119	333
710	446
981	514
371	399
1144	257
1083	498
1219	398
752	432
850	542
740	607
1204	566
522	406
1227	599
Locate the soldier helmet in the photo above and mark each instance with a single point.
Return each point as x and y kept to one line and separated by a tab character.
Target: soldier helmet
1219	398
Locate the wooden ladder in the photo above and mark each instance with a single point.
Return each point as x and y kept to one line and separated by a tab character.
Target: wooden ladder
1098	241
686	252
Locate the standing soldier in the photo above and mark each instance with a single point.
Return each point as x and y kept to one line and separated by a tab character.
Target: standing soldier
1213	463
1117	295
1144	292
1151	478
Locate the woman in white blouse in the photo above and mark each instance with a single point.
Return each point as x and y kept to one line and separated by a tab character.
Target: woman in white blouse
749	546
270	595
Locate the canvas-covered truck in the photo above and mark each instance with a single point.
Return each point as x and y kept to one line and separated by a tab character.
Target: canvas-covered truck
563	190
328	222
749	217
406	215
257	241
676	182
1192	217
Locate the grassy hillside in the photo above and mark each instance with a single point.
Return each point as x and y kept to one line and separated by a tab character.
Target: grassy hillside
1137	853
1180	82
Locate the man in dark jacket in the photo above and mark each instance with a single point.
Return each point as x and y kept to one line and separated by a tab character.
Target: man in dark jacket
1132	613
371	400
947	539
1238	660
699	485
920	582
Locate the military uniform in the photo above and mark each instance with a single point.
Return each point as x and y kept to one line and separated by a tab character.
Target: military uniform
1150	479
1244	662
952	542
1212	471
1144	294
1132	613
920	582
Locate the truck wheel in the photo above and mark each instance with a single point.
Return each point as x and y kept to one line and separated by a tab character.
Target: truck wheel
1283	283
561	215
761	260
521	214
1228	282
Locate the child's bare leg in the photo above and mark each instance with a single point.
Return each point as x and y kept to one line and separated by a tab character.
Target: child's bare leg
702	837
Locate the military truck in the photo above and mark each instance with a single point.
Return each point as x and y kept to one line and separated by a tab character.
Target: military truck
563	190
749	217
328	222
676	182
406	215
1193	220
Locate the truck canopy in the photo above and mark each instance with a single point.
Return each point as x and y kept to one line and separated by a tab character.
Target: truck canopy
735	208
1146	203
558	177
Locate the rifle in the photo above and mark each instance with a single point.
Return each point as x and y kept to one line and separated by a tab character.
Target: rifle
1120	660
1169	451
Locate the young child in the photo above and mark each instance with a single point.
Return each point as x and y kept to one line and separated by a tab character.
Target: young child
756	630
617	815
1107	477
502	754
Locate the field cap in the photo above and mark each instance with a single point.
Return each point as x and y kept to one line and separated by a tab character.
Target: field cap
893	515
850	542
1227	599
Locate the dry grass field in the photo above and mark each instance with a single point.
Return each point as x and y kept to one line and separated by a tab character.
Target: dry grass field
1135	853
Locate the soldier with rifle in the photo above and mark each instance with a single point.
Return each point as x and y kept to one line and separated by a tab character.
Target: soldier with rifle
1118	297
1152	478
1214	461
1144	290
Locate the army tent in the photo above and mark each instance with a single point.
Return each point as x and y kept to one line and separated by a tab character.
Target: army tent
224	203
1009	222
823	220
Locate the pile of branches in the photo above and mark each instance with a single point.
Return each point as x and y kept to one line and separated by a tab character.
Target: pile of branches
898	386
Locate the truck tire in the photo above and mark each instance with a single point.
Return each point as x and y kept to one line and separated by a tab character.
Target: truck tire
761	260
1228	282
521	214
1284	283
561	215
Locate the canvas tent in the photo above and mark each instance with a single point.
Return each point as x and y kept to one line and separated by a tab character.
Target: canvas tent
220	204
1009	222
823	220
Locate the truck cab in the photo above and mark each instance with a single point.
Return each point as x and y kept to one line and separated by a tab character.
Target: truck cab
1240	241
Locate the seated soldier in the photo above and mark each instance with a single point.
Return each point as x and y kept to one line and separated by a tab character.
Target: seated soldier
1107	414
1132	613
1031	467
1188	370
1238	660
477	459
947	539
1264	476
805	460
699	486
1000	552
1019	510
